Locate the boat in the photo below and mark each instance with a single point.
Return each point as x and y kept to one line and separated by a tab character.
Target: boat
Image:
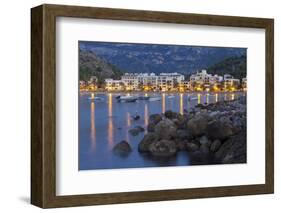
192	98
145	98
171	96
127	98
96	98
136	117
157	98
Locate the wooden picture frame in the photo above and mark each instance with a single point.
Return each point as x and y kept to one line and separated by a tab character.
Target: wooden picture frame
43	105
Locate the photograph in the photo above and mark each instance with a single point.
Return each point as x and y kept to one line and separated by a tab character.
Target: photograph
158	105
140	105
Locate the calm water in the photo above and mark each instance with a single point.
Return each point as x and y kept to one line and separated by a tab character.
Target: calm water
104	123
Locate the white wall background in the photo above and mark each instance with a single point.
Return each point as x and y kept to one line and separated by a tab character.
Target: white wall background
15	104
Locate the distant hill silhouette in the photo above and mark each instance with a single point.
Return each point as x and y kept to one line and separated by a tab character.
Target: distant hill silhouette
236	66
160	58
91	65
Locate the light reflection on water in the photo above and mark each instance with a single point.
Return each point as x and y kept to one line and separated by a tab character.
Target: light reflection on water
163	102
103	123
93	125
199	98
110	121
181	103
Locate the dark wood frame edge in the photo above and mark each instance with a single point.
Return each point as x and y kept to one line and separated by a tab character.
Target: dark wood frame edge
43	105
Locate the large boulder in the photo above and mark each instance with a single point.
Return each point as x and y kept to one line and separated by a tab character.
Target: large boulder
203	140
180	121
215	145
155	118
219	130
181	144
197	125
136	130
191	147
123	148
163	148
204	148
233	150
170	114
166	129
182	134
151	127
148	139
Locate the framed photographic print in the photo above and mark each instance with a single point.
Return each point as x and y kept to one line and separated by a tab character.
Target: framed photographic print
136	106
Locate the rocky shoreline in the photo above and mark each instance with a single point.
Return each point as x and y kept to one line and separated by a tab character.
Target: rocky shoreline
210	134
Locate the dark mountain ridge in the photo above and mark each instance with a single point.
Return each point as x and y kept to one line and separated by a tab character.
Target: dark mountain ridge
91	65
160	58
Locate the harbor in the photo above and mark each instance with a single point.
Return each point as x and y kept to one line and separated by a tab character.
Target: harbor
105	121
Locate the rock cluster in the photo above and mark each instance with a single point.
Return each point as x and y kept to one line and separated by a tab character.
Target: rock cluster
214	133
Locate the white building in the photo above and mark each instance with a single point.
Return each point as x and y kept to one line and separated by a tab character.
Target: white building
204	78
148	80
229	81
214	79
130	81
113	85
199	77
185	85
169	81
151	81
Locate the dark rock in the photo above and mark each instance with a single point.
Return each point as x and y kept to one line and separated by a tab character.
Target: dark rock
123	148
214	114
215	145
148	139
218	130
155	118
181	144
191	147
242	100
134	131
151	127
140	128
197	125
204	140
182	134
136	117
165	129
180	121
204	148
170	114
233	150
199	106
163	148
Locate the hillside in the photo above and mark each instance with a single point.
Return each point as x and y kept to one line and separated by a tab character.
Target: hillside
236	66
160	58
91	65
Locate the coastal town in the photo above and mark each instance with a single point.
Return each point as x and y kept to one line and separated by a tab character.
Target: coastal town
167	82
160	105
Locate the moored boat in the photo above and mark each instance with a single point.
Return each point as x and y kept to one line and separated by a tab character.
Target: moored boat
95	98
192	98
127	98
145	98
157	98
171	96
